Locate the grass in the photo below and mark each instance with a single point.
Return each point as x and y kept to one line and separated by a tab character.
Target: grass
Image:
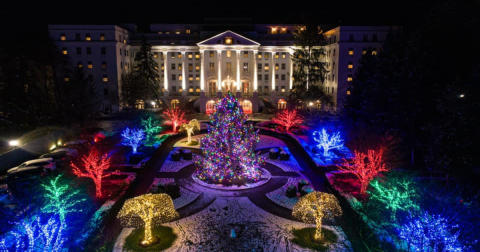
305	238
166	235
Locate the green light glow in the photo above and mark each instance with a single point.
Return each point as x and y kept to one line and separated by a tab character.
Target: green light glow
150	128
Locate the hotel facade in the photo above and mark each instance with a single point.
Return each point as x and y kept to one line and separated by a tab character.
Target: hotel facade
201	62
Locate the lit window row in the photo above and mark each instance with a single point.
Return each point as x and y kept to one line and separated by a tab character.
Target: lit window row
87	37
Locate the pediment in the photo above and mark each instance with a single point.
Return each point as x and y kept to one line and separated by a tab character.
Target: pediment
229	38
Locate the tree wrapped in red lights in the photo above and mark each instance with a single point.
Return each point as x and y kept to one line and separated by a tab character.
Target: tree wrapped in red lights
94	167
365	166
228	148
287	118
174	117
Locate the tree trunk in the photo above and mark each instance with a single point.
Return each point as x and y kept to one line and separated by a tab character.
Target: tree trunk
189	137
363	187
148	233
98	187
318	231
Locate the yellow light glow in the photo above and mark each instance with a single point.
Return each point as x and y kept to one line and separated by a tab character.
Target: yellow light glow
350	52
64	52
148	210
349	78
88	38
13	143
348	92
53	147
59	143
105	79
63	38
350	66
315	206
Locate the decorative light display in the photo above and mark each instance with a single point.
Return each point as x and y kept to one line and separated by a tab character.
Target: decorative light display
228	148
395	195
94	166
190	127
365	167
327	142
133	138
315	206
150	128
33	236
60	199
287	118
174	117
147	211
430	233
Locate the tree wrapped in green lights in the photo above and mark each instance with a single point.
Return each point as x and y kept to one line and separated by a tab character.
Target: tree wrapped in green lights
395	194
150	127
61	198
228	147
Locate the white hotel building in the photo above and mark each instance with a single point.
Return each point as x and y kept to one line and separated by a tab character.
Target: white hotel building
204	61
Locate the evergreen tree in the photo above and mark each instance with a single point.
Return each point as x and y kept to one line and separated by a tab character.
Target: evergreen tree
228	148
310	70
80	97
146	68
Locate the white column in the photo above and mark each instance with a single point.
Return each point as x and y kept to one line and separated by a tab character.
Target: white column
183	71
238	70
165	67
255	83
291	70
219	59
273	70
202	75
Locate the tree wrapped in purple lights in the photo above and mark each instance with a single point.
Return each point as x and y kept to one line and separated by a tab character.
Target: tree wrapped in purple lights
228	148
327	142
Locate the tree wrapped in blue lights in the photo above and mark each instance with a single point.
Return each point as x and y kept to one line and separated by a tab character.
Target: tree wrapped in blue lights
228	148
133	138
430	233
327	142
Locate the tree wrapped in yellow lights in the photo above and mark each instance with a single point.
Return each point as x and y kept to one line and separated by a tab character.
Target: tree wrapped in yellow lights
147	211
190	127
315	206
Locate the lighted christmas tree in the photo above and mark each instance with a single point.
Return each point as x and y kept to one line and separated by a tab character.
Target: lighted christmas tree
228	148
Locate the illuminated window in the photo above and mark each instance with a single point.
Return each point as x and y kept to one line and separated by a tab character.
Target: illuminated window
284	55
190	90
245	54
124	41
197	68
63	37
179	66
282	104
79	64
187	31
197	77
180	90
283	30
276	66
102	37
229	54
229	66
374	51
179	55
190	78
198	89
350	51
156	67
267	67
228	40
89	65
349	78
155	54
162	67
364	51
87	37
177	31
259	55
211	54
66	79
350	65
274	30
276	55
104	65
267	55
180	77
105	79
175	102
190	56
197	56
348	92
283	89
190	67
64	50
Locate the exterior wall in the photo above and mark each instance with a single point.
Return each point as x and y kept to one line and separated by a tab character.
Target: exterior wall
173	43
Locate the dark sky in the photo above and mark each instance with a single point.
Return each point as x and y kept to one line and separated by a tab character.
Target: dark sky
40	13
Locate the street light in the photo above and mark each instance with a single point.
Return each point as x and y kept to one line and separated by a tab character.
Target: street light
310	104
13	143
462	95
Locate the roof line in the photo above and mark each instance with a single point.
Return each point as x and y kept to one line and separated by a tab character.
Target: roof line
218	35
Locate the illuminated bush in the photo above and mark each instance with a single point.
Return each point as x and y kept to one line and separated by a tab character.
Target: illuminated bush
315	206
147	210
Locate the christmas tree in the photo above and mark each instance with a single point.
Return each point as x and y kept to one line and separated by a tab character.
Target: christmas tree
228	148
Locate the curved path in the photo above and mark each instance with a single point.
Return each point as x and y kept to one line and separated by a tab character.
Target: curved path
257	195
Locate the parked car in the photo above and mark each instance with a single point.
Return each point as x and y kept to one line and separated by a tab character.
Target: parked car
61	158
31	167
76	144
72	152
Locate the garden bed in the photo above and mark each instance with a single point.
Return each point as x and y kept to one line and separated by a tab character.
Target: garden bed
290	165
186	196
279	196
264	179
175	166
